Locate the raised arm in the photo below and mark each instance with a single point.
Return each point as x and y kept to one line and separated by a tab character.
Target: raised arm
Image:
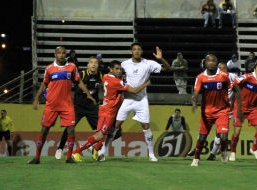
158	56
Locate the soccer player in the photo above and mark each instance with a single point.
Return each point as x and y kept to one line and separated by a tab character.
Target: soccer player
231	95
113	87
58	78
248	87
214	106
84	107
137	70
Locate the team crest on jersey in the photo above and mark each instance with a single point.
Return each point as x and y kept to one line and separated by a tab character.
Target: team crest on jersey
135	71
69	75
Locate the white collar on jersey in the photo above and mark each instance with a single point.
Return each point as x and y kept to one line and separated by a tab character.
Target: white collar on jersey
254	74
205	73
111	75
55	64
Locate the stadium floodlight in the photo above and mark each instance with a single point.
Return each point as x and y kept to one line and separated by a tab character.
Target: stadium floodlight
3	45
6	91
3	35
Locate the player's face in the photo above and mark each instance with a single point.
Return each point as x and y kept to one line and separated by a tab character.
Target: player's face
211	63
93	65
136	52
116	70
177	113
60	55
223	67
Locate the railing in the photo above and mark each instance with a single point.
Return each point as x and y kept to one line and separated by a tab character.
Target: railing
19	89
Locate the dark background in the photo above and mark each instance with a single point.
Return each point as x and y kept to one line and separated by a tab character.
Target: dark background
15	22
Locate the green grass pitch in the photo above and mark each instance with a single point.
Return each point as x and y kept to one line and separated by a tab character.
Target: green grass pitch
127	173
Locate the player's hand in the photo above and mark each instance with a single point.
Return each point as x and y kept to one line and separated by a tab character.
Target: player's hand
35	104
158	54
91	98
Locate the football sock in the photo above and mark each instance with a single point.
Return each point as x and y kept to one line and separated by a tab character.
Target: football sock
89	142
216	145
234	141
109	139
254	147
198	148
149	140
40	144
99	145
63	139
223	145
70	140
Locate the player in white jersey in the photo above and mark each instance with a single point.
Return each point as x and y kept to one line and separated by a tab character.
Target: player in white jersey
137	71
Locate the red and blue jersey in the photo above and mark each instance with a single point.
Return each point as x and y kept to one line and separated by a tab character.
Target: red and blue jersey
248	86
214	88
59	80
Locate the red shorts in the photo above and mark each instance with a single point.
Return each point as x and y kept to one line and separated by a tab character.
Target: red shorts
67	118
250	116
221	122
105	122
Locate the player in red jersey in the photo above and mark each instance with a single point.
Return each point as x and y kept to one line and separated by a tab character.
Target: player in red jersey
248	87
113	87
214	105
58	79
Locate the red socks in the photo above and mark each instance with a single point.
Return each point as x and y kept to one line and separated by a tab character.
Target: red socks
198	148
234	141
99	145
40	144
89	142
70	141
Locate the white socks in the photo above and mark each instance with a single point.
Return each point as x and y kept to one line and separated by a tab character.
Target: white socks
216	145
149	140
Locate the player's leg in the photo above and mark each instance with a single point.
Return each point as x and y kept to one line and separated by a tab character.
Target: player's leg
205	127
7	136
215	148
68	121
237	124
252	120
78	115
142	115
40	143
49	118
222	124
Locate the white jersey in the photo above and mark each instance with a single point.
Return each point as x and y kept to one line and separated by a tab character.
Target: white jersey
232	77
138	73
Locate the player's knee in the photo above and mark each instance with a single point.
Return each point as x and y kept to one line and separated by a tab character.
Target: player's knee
202	138
223	136
70	130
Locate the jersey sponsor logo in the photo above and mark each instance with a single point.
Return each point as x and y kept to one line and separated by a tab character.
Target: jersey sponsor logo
250	86
135	71
63	75
215	85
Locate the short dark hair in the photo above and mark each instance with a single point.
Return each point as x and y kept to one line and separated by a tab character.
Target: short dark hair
113	63
136	44
177	109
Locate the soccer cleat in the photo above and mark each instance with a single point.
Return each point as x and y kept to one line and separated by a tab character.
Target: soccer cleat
77	157
101	158
95	154
195	162
232	156
211	157
253	152
70	161
191	153
58	154
224	157
152	158
34	161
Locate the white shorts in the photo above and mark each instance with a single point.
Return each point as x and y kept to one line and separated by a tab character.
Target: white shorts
140	109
